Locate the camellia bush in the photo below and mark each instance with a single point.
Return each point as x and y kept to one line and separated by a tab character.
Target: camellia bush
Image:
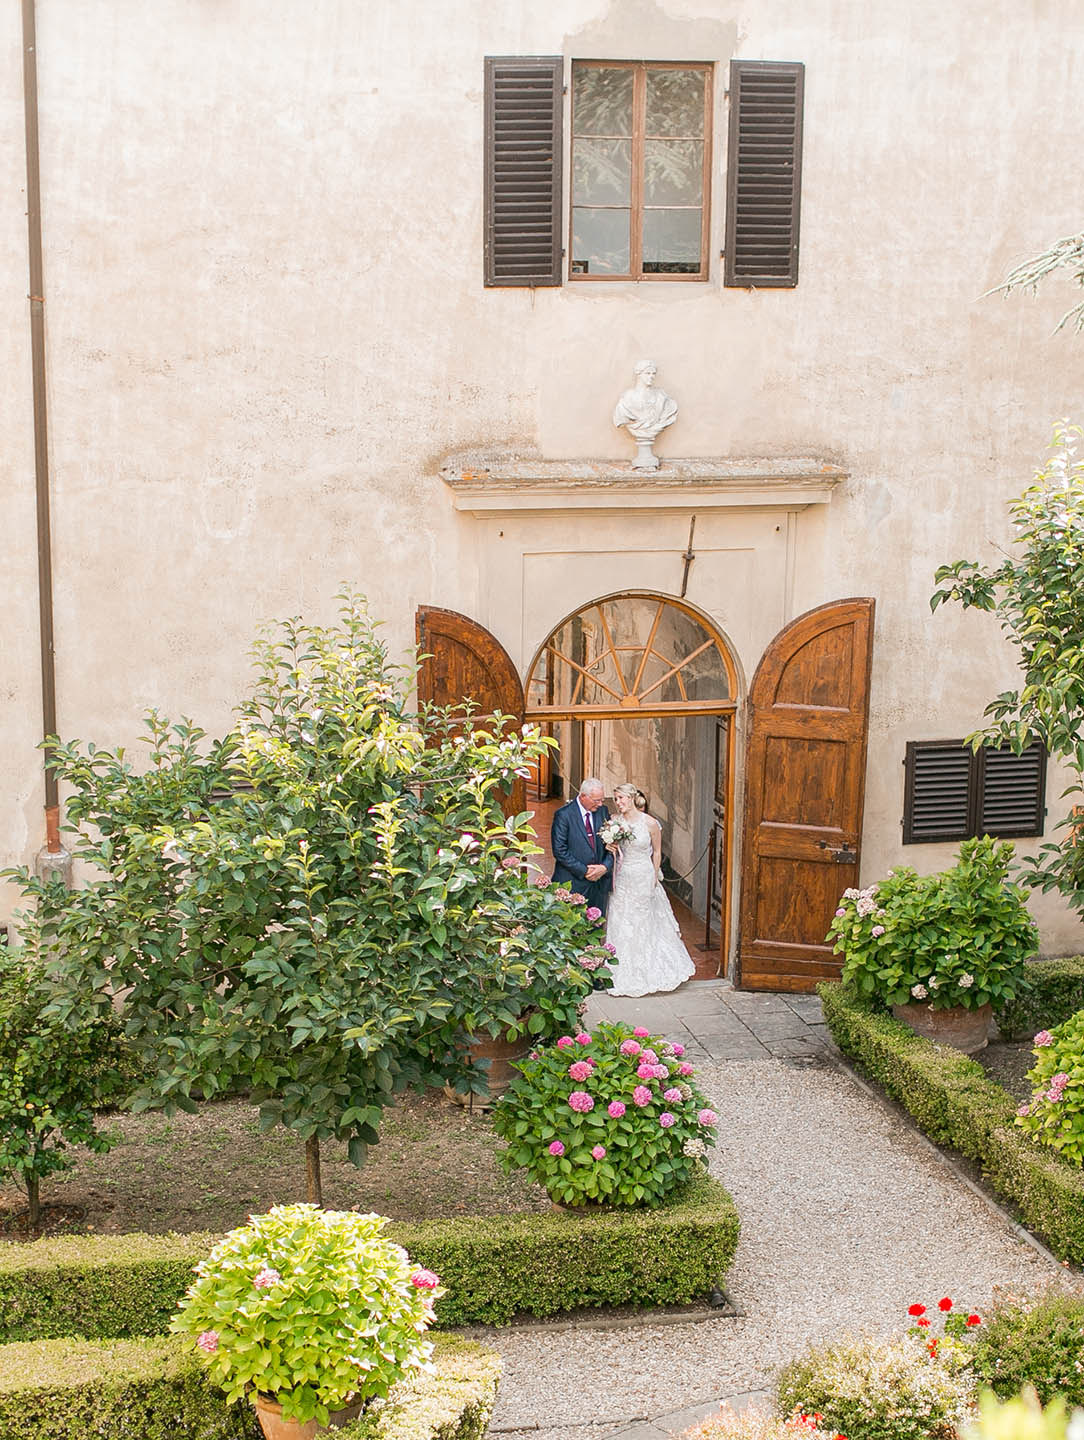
1055	1113
612	1116
316	908
53	1078
312	1308
957	937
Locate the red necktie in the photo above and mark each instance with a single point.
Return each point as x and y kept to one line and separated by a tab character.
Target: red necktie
587	824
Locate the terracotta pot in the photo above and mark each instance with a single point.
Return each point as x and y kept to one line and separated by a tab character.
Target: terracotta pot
962	1029
274	1427
495	1056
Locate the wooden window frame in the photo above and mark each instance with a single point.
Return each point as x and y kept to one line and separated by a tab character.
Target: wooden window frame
975	793
636	196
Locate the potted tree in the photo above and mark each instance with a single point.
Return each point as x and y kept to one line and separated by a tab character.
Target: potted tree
311	1314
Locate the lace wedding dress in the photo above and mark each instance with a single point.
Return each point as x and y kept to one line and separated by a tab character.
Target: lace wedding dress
640	924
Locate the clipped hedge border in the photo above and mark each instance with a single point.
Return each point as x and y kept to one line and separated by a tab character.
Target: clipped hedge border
1055	993
953	1101
110	1287
158	1390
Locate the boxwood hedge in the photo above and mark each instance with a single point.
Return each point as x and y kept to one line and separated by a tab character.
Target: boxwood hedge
1055	992
109	1287
954	1102
157	1389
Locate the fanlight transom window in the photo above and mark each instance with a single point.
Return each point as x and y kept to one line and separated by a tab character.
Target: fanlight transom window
631	652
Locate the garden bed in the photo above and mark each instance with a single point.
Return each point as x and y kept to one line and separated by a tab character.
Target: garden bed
209	1170
955	1103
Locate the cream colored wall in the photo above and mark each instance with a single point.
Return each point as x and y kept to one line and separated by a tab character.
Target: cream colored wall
267	326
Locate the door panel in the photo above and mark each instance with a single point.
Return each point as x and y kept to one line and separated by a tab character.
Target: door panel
805	783
463	661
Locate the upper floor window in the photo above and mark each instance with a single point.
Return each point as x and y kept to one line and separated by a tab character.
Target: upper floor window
641	162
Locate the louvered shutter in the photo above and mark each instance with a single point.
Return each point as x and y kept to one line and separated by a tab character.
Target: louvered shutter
1013	791
937	791
523	111
764	173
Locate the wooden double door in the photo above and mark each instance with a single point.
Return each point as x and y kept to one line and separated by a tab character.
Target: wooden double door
806	724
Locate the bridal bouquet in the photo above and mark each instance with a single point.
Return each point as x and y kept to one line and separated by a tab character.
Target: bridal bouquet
615	831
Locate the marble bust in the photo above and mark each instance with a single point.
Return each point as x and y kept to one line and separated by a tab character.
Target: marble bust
644	410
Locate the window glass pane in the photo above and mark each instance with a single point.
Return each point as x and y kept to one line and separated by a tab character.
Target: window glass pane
600	242
675	102
672	242
601	101
673	172
601	172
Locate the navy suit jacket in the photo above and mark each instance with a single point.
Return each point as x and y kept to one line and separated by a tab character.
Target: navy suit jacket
572	853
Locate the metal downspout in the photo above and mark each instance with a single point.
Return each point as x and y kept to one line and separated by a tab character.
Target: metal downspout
41	434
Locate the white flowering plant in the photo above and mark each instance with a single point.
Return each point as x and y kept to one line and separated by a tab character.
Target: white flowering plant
311	1308
959	937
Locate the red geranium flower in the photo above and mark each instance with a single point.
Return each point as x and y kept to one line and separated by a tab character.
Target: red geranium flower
974	1320
916	1310
945	1304
922	1322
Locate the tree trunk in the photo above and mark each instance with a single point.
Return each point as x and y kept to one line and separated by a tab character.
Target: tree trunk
35	1203
314	1190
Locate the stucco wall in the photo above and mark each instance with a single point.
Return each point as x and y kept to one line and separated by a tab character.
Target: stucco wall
267	325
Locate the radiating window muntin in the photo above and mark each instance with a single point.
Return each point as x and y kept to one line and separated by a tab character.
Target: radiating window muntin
641	140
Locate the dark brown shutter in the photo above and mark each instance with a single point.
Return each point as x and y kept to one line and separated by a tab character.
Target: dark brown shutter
951	793
764	173
937	791
524	105
1013	790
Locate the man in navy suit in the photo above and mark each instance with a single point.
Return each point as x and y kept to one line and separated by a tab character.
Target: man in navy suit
582	859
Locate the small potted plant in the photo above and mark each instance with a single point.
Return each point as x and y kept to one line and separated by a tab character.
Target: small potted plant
940	949
311	1314
612	1117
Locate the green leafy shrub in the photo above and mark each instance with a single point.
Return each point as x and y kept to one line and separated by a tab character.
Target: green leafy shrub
155	1390
611	1117
881	1390
957	937
955	1103
52	1078
1055	991
1036	1340
494	1267
1055	1113
314	1308
1021	1418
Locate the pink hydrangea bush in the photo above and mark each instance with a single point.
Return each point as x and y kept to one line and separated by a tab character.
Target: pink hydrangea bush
620	1123
1055	1113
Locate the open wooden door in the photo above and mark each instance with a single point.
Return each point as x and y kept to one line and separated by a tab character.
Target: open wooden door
804	789
465	662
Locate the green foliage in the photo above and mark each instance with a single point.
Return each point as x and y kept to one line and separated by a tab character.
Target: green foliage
881	1390
957	937
1036	1340
955	1104
494	1267
1038	595
315	908
1055	1113
611	1117
155	1390
52	1078
314	1308
1021	1418
1055	991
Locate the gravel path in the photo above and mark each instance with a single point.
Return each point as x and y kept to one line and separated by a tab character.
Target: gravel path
846	1220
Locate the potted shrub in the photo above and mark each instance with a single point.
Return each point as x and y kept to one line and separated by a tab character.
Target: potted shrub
940	949
610	1117
311	1314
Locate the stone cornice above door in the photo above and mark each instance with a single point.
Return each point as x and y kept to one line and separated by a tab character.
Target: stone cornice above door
482	486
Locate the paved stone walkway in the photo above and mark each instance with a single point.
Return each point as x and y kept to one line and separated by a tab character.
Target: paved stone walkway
716	1022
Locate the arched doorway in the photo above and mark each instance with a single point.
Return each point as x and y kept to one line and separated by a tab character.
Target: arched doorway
642	686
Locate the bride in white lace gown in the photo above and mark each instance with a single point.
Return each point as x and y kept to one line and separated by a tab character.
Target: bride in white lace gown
640	925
